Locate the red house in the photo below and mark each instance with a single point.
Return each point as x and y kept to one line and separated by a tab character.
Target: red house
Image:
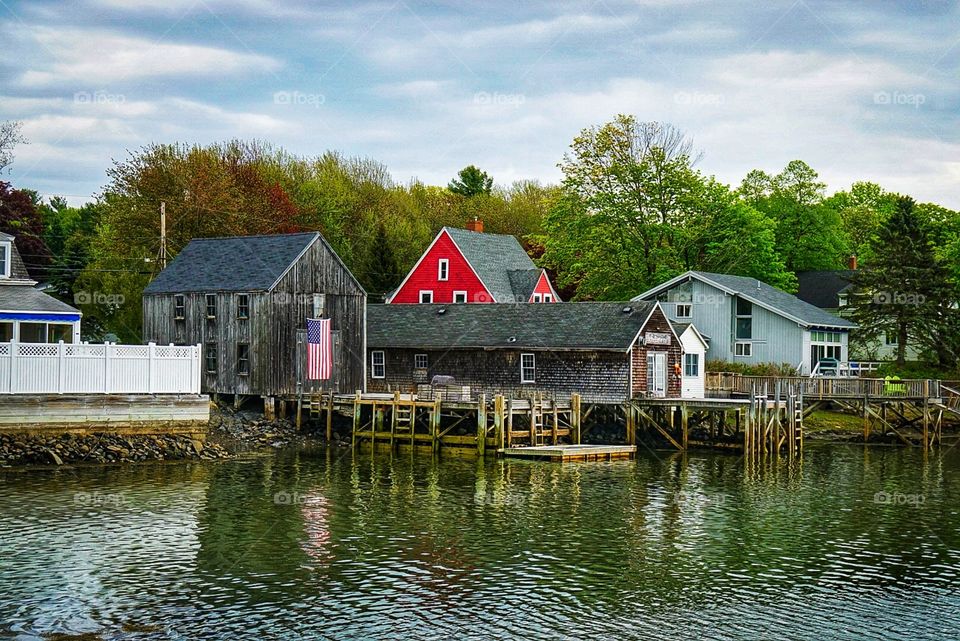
468	266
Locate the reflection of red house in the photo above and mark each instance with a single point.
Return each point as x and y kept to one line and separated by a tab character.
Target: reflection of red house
468	266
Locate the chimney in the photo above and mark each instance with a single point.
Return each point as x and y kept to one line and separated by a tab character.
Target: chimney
475	225
852	263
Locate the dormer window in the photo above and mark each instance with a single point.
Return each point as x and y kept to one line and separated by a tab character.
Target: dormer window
443	269
5	260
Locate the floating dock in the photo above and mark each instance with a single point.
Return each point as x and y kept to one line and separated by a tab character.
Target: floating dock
564	453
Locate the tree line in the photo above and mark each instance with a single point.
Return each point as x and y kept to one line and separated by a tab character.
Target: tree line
631	210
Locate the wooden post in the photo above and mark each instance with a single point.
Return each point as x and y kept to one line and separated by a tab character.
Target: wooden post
435	424
283	409
300	412
575	418
630	418
556	421
533	421
926	423
378	423
498	425
393	418
684	424
330	418
356	417
482	425
509	422
269	408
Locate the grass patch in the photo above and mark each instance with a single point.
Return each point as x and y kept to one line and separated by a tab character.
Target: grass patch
829	420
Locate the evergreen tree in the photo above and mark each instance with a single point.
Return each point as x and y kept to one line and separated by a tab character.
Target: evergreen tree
385	273
905	291
471	181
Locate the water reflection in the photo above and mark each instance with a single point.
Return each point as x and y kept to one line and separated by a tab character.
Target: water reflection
325	542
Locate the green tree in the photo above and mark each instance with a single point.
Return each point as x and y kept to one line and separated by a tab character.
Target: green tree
471	181
906	291
862	209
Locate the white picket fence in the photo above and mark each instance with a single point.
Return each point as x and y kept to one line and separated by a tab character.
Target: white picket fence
64	368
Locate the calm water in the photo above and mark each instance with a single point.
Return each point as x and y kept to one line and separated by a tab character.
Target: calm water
322	544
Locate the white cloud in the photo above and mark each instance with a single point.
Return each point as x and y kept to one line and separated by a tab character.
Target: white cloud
82	58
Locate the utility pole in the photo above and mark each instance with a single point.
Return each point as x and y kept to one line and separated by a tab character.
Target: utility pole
163	235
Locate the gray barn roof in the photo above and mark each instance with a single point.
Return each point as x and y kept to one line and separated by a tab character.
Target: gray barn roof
233	264
761	294
23	298
587	326
500	261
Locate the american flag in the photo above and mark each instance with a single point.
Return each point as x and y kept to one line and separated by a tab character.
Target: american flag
319	349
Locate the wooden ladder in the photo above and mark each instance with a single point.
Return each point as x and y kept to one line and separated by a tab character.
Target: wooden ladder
316	405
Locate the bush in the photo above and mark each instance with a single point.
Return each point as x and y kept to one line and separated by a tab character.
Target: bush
761	369
915	369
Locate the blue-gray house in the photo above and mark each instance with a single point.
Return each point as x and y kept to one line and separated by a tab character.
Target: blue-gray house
748	321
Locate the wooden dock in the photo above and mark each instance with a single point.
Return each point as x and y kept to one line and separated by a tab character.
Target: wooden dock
568	453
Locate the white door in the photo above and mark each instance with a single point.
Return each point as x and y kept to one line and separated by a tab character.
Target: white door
657	374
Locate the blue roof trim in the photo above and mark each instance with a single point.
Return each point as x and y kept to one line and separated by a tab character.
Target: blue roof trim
40	316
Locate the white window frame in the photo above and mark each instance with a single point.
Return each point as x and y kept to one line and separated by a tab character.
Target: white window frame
246	298
548	298
462	293
374	364
428	292
206	306
421	361
745	352
693	358
7	259
182	299
443	269
524	368
537	298
687	307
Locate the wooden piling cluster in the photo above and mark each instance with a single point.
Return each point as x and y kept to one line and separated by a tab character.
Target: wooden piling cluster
774	422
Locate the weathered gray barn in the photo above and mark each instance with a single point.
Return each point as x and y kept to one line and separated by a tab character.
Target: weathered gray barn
246	300
606	352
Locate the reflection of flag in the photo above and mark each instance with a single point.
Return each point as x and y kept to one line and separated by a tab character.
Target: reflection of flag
319	349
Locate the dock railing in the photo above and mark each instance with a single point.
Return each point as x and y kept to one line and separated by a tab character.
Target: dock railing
66	368
825	388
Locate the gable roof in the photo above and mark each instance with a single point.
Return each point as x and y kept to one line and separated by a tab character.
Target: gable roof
495	257
680	328
232	264
579	326
762	294
823	289
18	270
28	299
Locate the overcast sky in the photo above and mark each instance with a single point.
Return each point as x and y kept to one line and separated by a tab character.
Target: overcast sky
866	90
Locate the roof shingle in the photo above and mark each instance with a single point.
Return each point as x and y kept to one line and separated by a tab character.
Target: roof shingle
500	262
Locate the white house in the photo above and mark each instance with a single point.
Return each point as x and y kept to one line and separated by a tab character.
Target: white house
27	315
694	356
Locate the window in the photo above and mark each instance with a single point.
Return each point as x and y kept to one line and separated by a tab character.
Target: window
459	297
243	306
443	269
420	361
685	310
6	332
426	296
891	338
211	305
210	357
179	307
57	332
528	368
5	260
378	368
691	364
743	349
319	305
537	298
548	298
243	359
33	332
744	319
